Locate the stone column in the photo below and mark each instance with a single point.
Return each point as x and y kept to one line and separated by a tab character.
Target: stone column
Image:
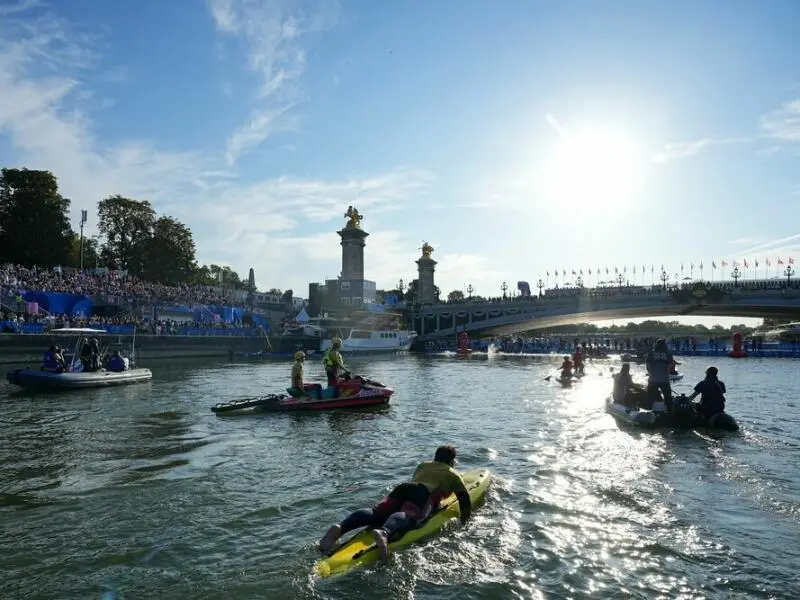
353	242
425	268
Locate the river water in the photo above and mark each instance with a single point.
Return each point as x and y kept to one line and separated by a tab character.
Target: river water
142	492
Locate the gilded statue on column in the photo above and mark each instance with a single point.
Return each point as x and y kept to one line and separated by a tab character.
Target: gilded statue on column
355	218
427	250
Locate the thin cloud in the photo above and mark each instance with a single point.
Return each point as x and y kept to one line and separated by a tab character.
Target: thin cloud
271	33
784	123
680	150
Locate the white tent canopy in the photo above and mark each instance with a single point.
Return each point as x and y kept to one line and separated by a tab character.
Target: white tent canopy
302	316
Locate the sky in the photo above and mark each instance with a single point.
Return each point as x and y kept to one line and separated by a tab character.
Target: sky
516	138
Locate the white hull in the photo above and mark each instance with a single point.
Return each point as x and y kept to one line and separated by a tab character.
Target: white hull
45	380
361	340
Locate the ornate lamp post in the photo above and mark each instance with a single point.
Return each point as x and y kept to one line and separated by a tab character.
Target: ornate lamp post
470	289
504	287
736	274
401	285
579	281
789	271
664	278
620	279
540	285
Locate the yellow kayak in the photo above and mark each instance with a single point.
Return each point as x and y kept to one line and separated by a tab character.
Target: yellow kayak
360	549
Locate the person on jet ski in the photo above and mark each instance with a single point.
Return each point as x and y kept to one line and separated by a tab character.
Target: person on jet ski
298	387
408	504
333	362
577	359
625	391
566	368
658	363
712	394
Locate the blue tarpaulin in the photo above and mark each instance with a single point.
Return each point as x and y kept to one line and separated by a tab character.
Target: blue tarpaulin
58	303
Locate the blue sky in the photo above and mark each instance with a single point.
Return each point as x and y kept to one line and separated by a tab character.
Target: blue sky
516	137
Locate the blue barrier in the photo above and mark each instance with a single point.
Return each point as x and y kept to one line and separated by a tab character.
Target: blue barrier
218	331
33	328
61	304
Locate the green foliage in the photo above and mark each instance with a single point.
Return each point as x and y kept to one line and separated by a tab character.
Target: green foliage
210	275
455	296
645	328
127	226
34	219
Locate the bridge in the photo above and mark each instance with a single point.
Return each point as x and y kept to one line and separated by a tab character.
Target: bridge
582	305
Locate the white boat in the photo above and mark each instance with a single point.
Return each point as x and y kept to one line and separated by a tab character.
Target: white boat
675	376
379	340
73	376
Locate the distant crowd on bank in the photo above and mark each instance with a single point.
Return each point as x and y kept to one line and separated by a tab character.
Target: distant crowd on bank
117	285
625	290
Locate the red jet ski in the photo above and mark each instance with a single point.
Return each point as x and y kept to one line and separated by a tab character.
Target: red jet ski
355	392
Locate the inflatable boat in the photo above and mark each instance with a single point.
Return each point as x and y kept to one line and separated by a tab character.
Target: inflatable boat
684	415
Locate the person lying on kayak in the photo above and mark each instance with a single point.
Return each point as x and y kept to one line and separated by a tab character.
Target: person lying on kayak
566	368
625	391
408	504
712	394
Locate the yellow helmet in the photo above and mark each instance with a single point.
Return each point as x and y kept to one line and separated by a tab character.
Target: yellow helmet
299	355
336	342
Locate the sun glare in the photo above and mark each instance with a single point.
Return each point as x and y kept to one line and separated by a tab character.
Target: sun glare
593	169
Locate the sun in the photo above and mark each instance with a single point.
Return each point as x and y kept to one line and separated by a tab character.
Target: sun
594	168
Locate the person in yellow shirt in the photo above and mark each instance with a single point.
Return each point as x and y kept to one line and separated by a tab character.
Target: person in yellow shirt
408	504
333	362
298	386
297	370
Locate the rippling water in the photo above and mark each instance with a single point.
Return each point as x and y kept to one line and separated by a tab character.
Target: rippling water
142	492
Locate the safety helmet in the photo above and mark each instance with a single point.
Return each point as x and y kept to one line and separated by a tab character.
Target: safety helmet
336	342
299	355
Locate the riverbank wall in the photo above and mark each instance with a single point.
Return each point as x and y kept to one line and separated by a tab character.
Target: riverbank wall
29	348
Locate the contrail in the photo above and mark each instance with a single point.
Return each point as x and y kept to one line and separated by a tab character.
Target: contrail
771	245
556	125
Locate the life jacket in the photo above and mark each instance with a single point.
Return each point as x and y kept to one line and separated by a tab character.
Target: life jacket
326	359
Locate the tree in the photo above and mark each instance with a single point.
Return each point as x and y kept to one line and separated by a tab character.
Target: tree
34	219
210	275
91	251
169	254
455	296
127	225
287	296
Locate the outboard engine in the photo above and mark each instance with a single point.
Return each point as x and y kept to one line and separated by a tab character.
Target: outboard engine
682	411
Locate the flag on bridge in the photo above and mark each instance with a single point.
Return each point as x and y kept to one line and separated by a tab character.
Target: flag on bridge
746	266
756	263
713	264
791	260
780	261
724	263
769	262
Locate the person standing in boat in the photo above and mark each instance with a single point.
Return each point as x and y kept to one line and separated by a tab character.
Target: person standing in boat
54	360
712	394
333	362
577	359
659	362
